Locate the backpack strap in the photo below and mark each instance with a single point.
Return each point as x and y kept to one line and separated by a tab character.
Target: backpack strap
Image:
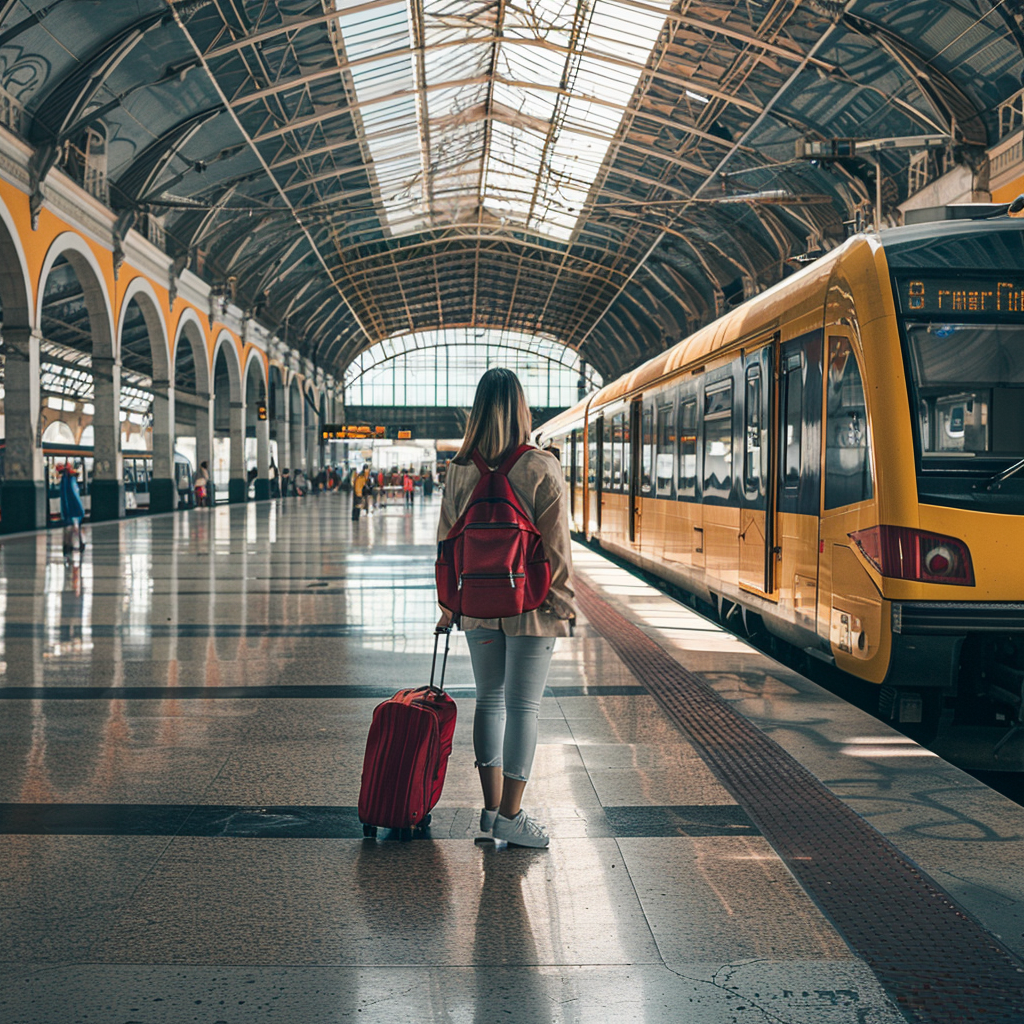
478	460
506	466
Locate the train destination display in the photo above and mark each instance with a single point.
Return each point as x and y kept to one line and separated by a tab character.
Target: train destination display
945	295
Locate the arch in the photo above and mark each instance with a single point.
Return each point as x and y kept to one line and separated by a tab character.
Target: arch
144	295
441	368
90	276
255	355
190	328
15	282
226	343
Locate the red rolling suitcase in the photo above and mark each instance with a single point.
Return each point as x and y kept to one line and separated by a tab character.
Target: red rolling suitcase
407	755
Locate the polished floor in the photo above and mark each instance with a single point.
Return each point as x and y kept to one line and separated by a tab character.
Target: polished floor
182	716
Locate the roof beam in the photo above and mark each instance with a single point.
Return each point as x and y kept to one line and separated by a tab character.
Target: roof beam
245	135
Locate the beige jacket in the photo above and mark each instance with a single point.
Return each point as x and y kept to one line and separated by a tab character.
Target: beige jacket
537	480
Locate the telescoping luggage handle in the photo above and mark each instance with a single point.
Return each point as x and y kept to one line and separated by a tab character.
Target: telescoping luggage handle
444	661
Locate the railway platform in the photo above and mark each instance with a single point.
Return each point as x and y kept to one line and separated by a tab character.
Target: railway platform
183	710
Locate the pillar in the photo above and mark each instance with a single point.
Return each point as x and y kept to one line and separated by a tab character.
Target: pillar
204	440
163	490
107	485
238	486
23	503
262	459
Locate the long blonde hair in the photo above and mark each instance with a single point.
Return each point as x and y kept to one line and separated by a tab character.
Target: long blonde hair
499	421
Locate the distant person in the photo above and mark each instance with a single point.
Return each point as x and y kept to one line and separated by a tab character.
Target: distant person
358	486
408	486
286	483
275	480
72	511
511	656
299	483
368	491
428	486
201	484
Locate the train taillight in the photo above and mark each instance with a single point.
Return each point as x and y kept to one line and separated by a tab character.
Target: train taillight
903	553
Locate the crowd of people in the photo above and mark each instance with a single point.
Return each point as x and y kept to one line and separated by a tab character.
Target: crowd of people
370	487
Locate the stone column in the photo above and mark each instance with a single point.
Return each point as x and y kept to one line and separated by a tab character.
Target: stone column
23	504
163	490
262	459
284	432
204	440
107	484
238	486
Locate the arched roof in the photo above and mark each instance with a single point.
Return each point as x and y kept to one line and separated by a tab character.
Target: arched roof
612	173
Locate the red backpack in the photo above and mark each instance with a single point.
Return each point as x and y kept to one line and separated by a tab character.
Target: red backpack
492	563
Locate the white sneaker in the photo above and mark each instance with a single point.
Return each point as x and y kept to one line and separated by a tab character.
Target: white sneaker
521	830
487	819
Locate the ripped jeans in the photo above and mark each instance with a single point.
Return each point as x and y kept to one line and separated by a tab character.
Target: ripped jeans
510	673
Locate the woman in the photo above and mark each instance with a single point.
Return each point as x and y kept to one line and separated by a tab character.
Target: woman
407	488
201	485
511	656
71	511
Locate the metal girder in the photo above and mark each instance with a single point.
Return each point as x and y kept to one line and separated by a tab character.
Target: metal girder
944	95
249	140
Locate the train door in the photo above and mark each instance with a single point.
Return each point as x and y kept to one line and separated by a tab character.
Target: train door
571	442
757	475
595	429
634	441
797	478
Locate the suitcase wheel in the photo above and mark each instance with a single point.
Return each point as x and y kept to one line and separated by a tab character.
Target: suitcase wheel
424	824
405	835
369	831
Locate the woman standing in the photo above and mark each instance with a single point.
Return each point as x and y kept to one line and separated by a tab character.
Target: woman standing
71	511
511	656
201	483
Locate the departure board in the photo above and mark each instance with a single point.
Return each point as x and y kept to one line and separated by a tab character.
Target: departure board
351	432
931	296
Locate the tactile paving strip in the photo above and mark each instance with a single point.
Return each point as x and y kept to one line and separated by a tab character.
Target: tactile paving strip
936	963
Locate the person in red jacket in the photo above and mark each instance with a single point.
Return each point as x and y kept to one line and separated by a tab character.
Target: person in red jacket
408	486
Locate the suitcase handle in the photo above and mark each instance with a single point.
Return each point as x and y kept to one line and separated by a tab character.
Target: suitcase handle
444	662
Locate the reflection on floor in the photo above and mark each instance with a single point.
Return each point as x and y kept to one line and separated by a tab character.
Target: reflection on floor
180	749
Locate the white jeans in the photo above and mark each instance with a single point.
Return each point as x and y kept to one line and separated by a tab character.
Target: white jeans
510	673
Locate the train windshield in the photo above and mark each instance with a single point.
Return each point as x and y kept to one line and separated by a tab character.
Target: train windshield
968	380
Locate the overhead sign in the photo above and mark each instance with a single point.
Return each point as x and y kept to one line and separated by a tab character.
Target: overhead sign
351	432
404	435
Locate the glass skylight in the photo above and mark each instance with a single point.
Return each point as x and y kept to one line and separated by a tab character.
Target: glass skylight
442	368
493	124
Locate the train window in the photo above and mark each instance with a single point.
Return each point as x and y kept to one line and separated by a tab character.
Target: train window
688	448
647	442
592	435
577	440
718	440
566	453
752	432
606	453
792	421
617	451
847	441
969	380
664	463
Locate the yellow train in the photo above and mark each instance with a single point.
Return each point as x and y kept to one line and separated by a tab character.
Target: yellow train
839	461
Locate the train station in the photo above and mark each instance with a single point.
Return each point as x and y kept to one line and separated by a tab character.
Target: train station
511	512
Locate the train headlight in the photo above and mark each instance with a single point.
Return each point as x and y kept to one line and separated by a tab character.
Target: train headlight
903	553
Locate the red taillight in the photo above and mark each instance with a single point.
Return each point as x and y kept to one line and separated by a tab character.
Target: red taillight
906	554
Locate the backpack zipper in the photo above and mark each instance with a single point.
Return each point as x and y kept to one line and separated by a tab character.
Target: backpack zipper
488	526
510	576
